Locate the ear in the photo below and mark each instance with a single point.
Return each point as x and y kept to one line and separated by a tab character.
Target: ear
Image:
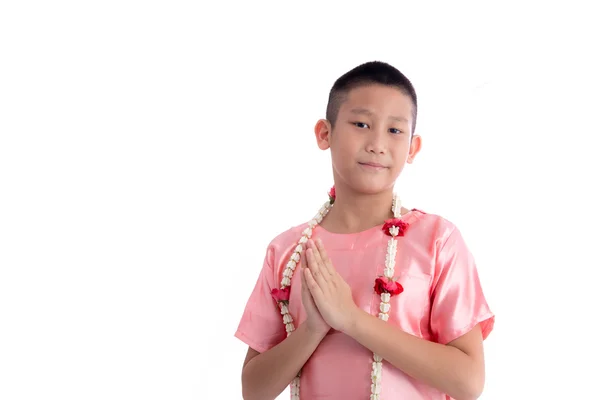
415	147
323	134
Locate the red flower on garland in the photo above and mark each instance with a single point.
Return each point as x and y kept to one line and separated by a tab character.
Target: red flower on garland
384	285
281	295
395	222
331	195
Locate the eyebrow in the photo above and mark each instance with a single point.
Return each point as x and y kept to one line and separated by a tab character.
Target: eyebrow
369	113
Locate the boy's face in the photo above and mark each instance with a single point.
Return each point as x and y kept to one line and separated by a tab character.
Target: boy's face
371	140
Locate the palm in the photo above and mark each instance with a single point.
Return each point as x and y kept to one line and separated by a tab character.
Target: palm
329	291
313	317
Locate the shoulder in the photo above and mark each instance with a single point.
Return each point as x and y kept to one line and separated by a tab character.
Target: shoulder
278	252
288	237
283	244
444	243
433	226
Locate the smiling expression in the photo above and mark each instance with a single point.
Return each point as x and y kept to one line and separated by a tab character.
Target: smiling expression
371	140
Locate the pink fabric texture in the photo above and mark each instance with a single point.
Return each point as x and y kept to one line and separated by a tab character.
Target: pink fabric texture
442	300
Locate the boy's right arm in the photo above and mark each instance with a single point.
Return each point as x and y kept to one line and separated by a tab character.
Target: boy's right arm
266	375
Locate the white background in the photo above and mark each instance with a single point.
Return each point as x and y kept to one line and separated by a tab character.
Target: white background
149	152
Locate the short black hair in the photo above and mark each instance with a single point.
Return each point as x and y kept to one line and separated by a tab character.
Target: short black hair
373	72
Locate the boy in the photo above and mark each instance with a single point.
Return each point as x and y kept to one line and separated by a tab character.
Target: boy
385	302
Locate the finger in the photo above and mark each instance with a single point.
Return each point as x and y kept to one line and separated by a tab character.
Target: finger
311	261
315	269
303	276
303	256
313	286
326	262
316	253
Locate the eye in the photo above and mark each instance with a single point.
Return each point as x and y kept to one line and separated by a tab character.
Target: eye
395	131
360	125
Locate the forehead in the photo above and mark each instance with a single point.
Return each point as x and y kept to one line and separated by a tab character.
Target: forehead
380	100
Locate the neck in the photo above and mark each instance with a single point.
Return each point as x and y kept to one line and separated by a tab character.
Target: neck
356	212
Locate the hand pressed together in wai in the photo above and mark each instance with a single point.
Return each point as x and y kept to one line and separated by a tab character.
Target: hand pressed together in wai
326	297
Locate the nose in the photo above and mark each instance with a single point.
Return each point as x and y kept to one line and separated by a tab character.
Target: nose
376	143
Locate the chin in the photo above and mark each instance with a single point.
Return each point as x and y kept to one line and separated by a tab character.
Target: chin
372	186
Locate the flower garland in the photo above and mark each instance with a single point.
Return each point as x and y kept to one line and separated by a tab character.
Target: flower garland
386	286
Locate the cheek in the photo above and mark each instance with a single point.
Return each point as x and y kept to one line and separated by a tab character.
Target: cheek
401	153
343	153
340	161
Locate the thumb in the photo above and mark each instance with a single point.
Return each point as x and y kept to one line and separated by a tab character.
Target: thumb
303	256
303	280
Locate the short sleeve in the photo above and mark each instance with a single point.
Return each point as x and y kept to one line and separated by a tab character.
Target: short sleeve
261	325
458	302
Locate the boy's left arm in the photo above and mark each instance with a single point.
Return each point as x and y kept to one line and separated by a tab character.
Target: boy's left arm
456	368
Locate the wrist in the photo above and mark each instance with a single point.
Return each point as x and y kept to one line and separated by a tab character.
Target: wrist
314	332
354	317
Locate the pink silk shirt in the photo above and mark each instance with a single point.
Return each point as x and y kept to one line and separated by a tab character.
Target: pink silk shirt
442	300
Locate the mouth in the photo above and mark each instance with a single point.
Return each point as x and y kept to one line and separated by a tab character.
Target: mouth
372	165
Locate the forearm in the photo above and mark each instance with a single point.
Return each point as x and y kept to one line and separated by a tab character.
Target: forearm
267	375
443	367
